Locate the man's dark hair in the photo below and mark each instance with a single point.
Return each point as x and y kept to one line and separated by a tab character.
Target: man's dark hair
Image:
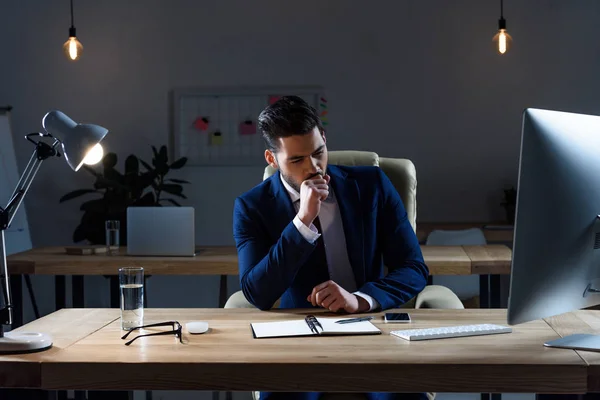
290	115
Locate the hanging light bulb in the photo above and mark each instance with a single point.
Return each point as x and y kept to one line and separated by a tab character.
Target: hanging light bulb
72	46
502	40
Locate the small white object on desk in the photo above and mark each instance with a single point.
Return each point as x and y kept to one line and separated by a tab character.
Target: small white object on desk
451	332
197	327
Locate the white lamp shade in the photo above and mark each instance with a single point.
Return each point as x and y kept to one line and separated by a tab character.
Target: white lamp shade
76	139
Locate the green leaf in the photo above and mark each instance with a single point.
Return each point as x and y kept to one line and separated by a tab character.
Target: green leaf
171	188
172	202
109	161
146	179
179	163
178	180
163	154
112	184
160	161
114	176
146	200
132	165
96	206
146	165
76	193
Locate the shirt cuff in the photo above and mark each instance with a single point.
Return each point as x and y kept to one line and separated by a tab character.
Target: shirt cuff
310	234
373	304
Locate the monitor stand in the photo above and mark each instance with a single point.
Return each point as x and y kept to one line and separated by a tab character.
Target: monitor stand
580	341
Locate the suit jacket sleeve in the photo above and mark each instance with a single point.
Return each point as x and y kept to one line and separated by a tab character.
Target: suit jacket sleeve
407	272
267	270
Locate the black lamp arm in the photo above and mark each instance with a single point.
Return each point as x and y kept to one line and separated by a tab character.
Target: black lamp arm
41	152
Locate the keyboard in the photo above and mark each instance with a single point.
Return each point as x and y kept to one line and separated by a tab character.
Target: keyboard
451	332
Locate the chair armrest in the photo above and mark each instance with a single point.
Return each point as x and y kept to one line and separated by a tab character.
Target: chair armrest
440	297
238	300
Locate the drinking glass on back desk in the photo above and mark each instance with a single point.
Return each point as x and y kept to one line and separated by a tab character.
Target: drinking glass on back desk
112	228
131	282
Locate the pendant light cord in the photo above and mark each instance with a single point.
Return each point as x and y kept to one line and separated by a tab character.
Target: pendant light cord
72	20
501	8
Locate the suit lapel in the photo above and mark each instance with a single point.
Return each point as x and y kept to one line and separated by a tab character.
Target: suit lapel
348	200
282	206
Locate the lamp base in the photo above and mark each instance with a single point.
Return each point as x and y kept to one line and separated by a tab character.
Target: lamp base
24	342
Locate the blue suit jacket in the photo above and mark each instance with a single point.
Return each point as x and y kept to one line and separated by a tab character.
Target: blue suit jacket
273	254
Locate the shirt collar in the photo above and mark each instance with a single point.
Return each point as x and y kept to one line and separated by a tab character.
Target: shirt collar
294	195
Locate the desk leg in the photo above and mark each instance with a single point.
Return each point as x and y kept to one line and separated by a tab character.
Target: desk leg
223	291
60	302
16	287
222	301
484	291
23	394
60	290
489	291
115	301
36	310
495	291
492	396
109	395
78	293
77	284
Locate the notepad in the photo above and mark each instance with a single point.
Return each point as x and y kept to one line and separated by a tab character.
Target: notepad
311	326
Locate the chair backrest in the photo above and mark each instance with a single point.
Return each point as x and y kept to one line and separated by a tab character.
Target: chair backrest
472	236
401	171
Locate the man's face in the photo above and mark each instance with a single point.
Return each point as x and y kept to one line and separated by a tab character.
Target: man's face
300	157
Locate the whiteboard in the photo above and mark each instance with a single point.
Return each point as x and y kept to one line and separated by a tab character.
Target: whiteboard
218	125
17	236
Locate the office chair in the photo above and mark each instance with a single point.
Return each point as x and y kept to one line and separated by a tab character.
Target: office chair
403	175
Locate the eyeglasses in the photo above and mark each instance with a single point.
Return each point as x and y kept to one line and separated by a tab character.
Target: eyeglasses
176	330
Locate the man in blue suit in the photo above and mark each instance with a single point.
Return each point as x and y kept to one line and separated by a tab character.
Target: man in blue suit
318	235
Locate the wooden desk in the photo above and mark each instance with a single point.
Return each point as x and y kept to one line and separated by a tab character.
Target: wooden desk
219	260
442	260
89	354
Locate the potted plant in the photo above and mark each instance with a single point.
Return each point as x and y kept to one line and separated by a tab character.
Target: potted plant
117	191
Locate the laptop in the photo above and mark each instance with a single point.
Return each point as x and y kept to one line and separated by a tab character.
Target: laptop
160	231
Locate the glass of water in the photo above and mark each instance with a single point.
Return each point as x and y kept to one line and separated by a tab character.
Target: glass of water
131	281
112	237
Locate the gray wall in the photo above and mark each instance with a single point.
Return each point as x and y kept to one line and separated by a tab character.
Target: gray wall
414	79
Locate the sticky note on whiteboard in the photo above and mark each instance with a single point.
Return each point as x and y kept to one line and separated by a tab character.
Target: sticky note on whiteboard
216	139
247	127
201	123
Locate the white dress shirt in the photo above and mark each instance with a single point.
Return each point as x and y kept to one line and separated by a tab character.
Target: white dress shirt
334	239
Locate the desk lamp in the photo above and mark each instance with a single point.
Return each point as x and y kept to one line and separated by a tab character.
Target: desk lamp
81	145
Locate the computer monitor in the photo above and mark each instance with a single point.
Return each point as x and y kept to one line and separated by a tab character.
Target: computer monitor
556	247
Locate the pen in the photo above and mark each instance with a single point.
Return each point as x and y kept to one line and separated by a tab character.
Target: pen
349	321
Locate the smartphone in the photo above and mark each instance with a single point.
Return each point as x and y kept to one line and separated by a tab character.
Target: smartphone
399	318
